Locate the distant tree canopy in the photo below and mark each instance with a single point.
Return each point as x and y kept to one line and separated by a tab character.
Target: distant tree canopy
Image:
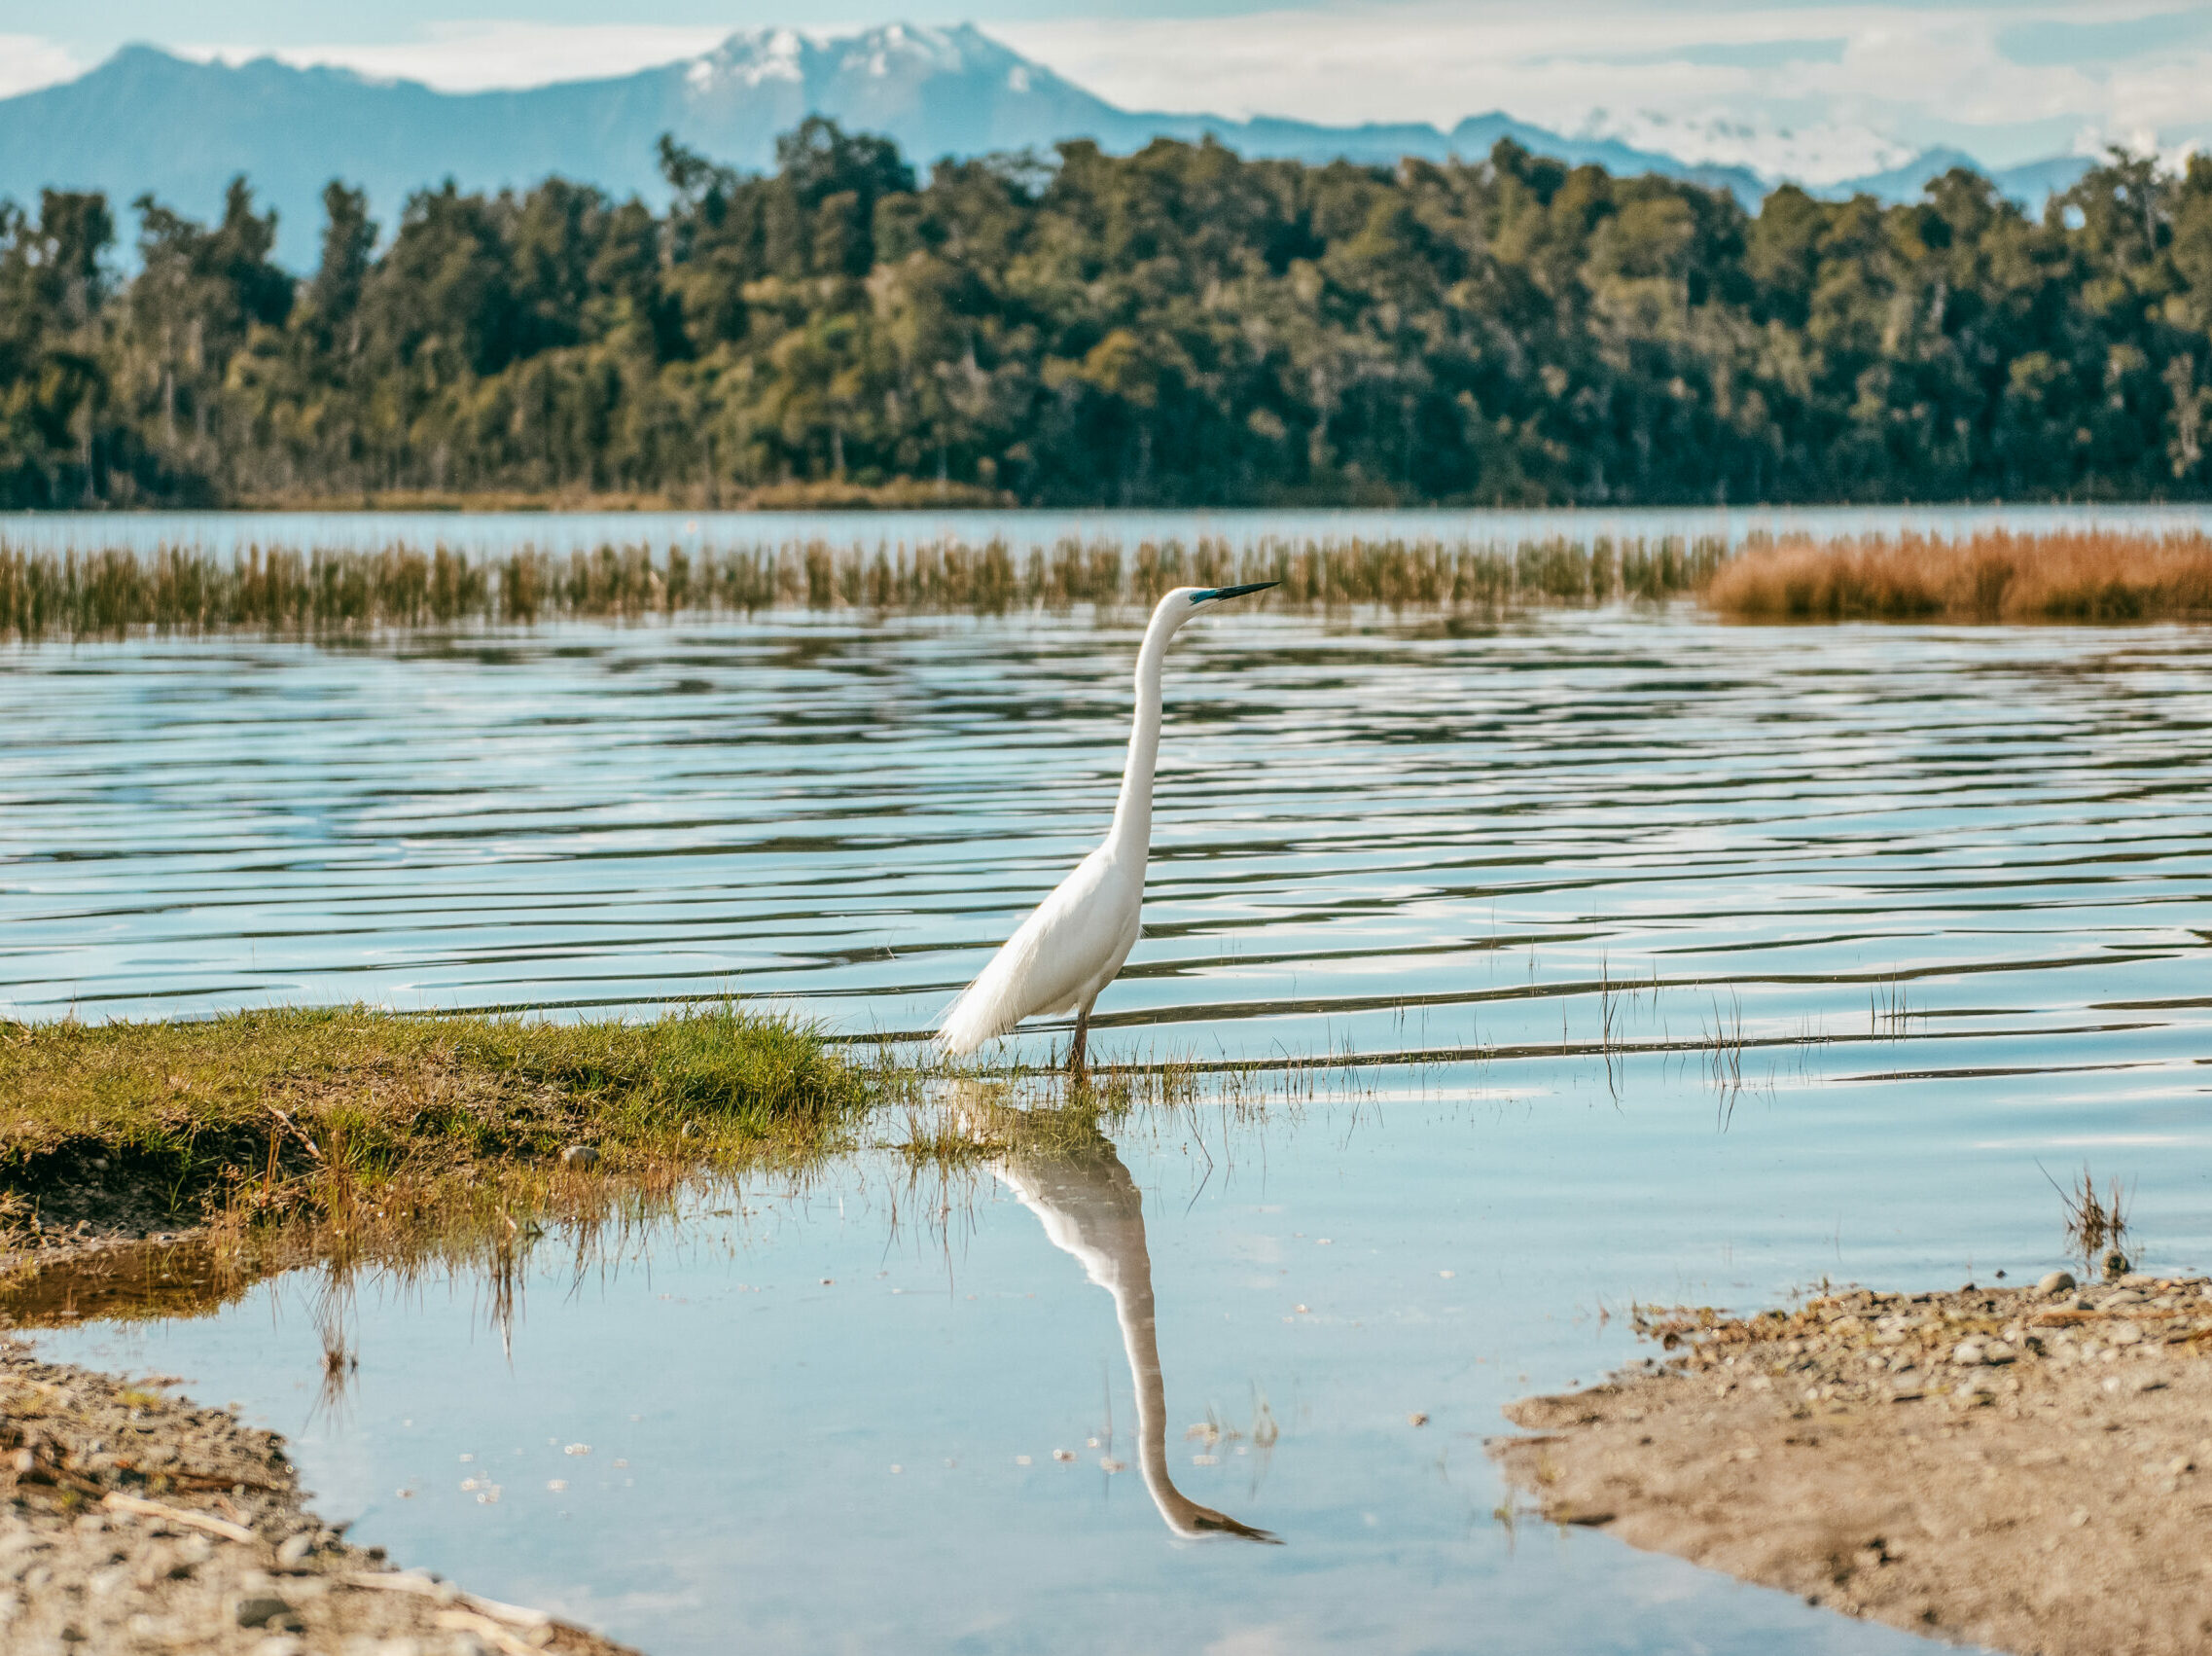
1176	326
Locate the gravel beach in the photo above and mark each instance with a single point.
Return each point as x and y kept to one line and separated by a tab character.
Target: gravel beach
133	1521
2028	1469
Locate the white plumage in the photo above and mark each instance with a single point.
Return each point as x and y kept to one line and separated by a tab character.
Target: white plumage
1070	948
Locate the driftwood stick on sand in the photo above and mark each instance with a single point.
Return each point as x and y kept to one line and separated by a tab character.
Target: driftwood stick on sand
487	1630
407	1581
222	1527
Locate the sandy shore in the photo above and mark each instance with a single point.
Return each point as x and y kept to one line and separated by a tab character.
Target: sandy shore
2027	1470
132	1521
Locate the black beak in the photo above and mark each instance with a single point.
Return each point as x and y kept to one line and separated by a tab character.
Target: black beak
1233	592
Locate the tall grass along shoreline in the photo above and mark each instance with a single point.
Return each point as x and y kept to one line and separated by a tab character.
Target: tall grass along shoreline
1987	576
115	592
1994	575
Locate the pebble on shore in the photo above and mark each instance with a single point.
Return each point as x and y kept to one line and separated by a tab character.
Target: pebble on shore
133	1520
1926	1459
1867	1346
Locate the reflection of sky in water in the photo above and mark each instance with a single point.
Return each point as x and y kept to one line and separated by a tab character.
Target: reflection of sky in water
761	1510
1949	885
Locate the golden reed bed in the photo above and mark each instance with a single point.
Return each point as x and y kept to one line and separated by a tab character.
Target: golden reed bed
2076	575
1991	575
113	592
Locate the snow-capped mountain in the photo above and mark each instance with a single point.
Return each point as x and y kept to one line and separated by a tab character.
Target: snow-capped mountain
1817	157
938	91
148	119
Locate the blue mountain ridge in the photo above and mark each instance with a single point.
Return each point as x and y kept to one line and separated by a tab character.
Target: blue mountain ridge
149	121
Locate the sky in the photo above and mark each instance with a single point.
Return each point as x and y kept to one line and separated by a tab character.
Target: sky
1817	88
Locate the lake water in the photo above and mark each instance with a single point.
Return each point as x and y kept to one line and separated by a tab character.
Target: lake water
1943	898
496	533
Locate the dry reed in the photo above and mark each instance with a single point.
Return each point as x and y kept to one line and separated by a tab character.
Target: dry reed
113	593
2095	1224
1991	575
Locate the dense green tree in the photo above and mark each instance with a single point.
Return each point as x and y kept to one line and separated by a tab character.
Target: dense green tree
54	289
1175	326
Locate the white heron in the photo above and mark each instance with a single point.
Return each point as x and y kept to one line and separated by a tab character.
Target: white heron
1070	948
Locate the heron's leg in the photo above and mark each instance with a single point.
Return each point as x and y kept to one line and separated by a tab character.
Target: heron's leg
1078	1068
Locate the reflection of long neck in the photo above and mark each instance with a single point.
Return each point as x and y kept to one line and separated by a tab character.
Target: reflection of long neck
1132	813
1091	1209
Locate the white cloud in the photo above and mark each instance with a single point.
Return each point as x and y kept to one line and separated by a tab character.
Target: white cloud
2167	97
1819	90
28	62
1413	60
476	56
1826	153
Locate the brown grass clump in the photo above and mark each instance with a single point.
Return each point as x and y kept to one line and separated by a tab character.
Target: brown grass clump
1992	575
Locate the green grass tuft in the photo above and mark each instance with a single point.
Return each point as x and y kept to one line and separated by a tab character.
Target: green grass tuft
293	1109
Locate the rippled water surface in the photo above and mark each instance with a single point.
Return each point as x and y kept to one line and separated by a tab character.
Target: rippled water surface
1952	849
1680	962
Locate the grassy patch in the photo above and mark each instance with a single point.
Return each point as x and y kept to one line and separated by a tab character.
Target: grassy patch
2071	575
317	1112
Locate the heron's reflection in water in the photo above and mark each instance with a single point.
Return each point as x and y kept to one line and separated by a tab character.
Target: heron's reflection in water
1071	1178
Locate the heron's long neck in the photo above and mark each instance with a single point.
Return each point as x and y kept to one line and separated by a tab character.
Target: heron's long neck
1091	1208
1140	1340
1132	833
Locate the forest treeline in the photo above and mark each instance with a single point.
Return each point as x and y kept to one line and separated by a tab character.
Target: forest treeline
1179	326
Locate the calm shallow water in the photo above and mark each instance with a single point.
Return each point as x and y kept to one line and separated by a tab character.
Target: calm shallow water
1952	887
823	1414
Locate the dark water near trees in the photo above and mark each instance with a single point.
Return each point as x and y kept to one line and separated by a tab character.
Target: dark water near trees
1682	962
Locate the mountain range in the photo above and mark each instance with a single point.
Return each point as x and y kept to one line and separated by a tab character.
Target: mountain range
149	121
